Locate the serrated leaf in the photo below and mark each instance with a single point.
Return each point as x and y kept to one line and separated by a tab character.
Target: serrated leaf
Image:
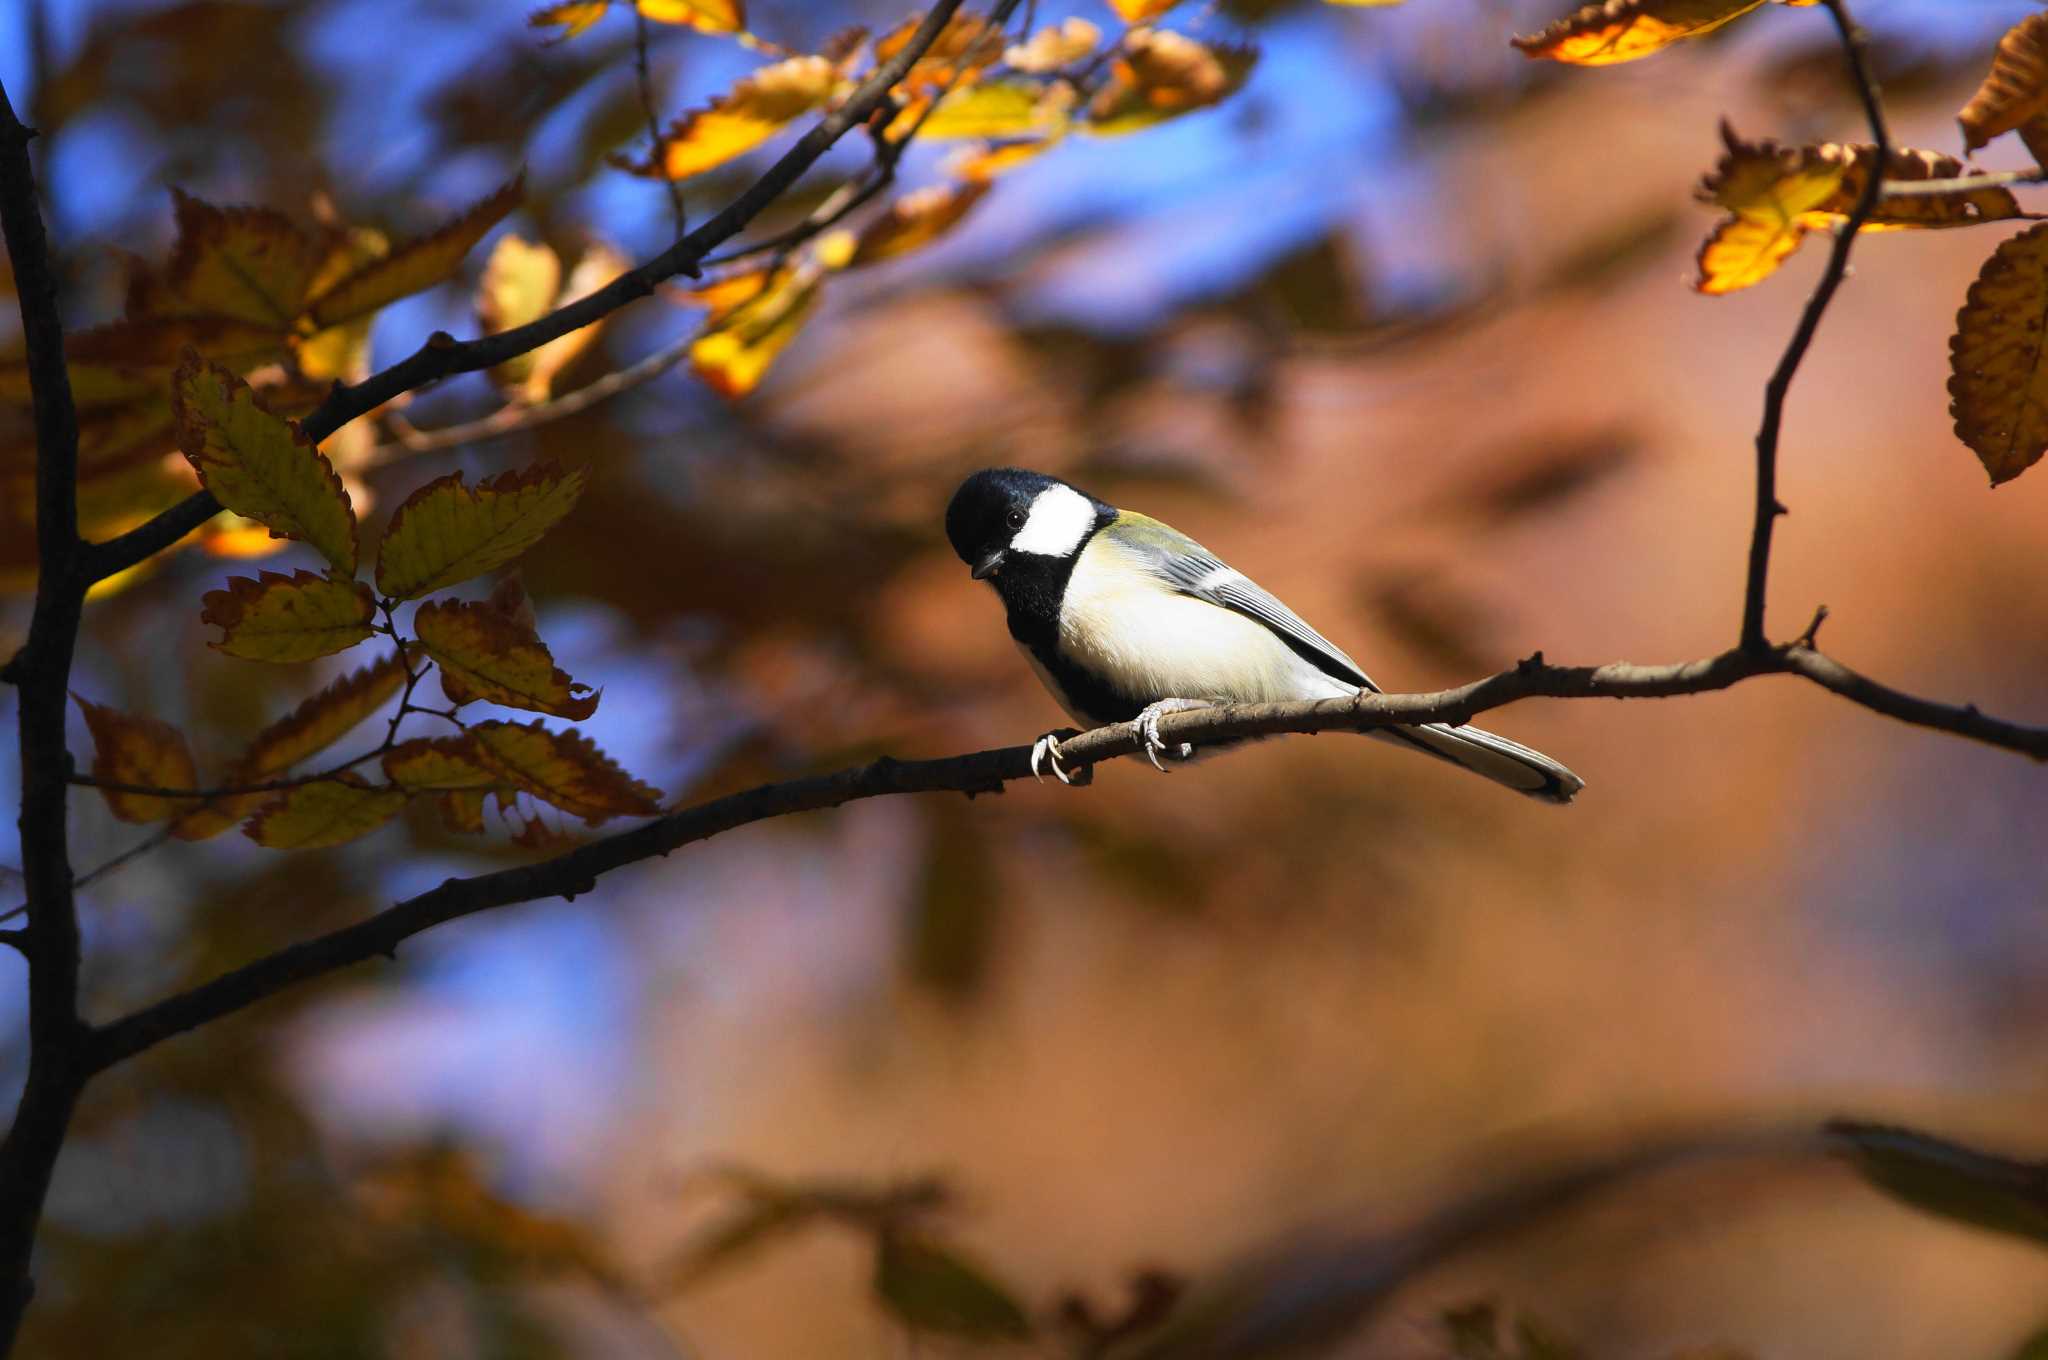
132	360
485	655
1611	31
252	264
706	16
736	122
1950	1180
342	351
438	764
1770	182
260	465
1159	74
915	220
447	532
564	769
1907	212
307	730
289	618
1054	46
329	812
1741	251
132	748
2015	91
992	109
1998	383
930	1288
416	265
734	352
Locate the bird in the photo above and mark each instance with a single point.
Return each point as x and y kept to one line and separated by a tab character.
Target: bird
1125	619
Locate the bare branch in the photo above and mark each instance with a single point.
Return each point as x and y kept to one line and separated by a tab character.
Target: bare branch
646	82
1962	184
1768	508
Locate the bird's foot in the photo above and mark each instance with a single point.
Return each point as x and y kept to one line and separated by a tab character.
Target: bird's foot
1046	751
1145	727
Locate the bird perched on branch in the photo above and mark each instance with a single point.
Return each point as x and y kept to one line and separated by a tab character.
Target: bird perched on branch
1126	619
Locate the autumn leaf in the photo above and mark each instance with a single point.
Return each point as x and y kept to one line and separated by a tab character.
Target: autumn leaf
447	532
992	109
438	764
2016	90
259	465
572	17
968	45
483	654
1908	212
522	283
1160	74
289	618
930	1288
307	730
738	121
519	284
252	264
132	748
1054	46
985	163
342	351
1998	385
1741	251
415	265
327	812
915	220
129	360
563	769
1141	11
706	16
1611	31
735	351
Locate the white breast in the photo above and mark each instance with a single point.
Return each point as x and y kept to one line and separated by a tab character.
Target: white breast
1155	644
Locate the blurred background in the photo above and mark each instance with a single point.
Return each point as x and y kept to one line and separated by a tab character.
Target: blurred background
1403	330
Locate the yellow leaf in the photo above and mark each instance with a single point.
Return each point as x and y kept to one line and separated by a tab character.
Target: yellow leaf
1610	31
462	810
1741	251
915	220
1141	11
486	655
438	764
416	265
259	465
564	769
289	618
447	532
1160	74
985	162
996	108
968	45
1769	182
706	16
721	296
738	121
736	349
330	812
342	351
129	748
1998	382
1054	46
307	730
572	17
599	265
129	360
519	285
2016	90
252	264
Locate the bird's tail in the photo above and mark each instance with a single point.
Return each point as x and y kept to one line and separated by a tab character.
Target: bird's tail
1493	757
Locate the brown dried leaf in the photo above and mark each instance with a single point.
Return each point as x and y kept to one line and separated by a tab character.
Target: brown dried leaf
916	220
483	654
131	748
968	45
1907	213
1055	46
1159	74
1998	383
564	769
1610	31
2015	92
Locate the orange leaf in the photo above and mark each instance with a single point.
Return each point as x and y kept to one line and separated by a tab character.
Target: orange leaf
985	162
330	812
129	748
741	119
1610	31
416	265
260	465
968	45
289	618
1998	378
2016	90
564	769
736	349
916	220
1141	11
447	532
572	16
1055	46
1741	251
483	654
706	16
1160	74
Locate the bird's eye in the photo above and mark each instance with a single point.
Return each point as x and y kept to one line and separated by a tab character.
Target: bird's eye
1016	519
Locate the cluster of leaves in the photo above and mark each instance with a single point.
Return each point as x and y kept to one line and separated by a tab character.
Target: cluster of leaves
1774	196
259	465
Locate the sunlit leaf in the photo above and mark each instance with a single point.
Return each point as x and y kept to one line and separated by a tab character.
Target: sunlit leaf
993	109
1998	384
706	16
736	349
1159	74
447	532
741	119
985	162
968	45
257	464
306	731
327	812
1141	11
2016	90
537	369
915	220
416	265
572	17
1770	182
1741	251
1901	213
1054	46
1948	1179
563	769
132	748
289	618
1610	31
252	264
930	1288
519	285
485	655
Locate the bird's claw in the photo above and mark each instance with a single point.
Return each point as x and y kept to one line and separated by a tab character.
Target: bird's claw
1046	750
1145	727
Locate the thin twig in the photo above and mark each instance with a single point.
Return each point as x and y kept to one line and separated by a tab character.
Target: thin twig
646	79
1990	179
1768	507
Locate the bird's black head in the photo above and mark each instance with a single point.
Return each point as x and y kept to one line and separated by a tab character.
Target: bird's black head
1001	513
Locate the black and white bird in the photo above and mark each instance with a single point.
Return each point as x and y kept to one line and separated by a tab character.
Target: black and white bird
1126	619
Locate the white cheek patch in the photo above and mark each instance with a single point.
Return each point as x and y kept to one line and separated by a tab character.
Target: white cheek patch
1060	518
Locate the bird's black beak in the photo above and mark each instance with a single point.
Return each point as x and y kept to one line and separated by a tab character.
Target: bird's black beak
987	565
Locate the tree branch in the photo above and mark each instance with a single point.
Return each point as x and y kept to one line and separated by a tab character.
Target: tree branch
1768	507
443	357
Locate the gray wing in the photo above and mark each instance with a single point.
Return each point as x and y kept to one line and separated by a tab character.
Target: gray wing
1193	570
